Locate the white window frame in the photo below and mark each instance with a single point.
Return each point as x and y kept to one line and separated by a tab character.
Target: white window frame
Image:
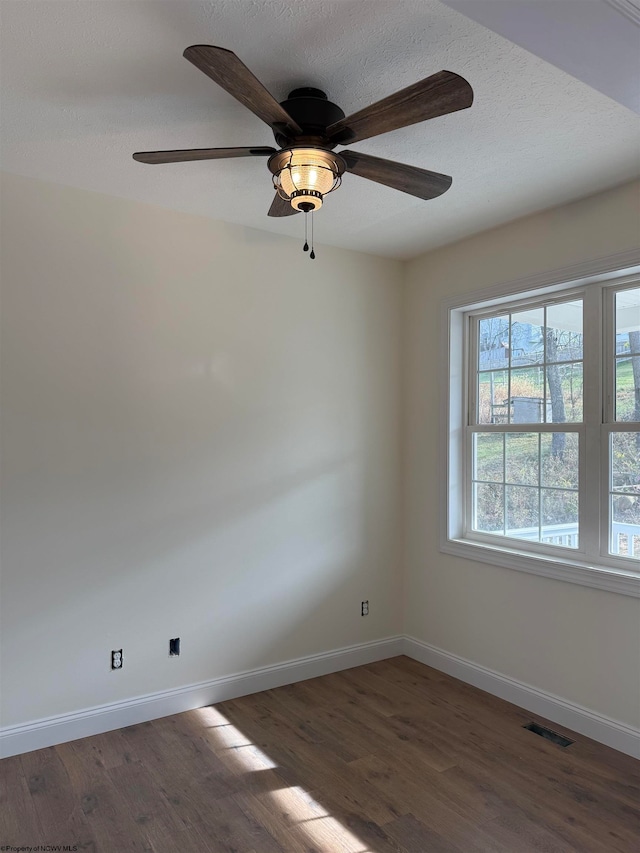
582	565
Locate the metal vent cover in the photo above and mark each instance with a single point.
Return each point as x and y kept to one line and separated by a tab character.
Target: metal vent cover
548	734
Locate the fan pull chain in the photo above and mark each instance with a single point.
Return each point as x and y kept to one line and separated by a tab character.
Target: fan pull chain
305	248
313	254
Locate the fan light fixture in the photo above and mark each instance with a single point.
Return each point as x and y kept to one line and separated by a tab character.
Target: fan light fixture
303	176
307	126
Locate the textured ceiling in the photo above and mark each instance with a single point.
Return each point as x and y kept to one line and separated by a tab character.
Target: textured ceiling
597	41
85	84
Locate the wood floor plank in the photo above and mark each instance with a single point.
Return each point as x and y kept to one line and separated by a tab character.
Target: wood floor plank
353	727
310	824
232	828
60	814
417	797
297	705
374	693
574	797
521	834
361	824
331	691
300	762
412	744
414	835
109	749
103	806
188	751
507	788
356	793
281	830
145	801
392	757
18	816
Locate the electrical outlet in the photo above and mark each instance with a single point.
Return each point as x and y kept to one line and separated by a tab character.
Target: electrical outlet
174	647
116	659
364	610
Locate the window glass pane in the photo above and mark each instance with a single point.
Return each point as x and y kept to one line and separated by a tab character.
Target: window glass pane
564	393
488	507
559	459
625	526
488	456
628	321
563	335
522	458
627	311
527	337
493	390
522	513
628	388
559	517
625	462
527	396
625	494
493	343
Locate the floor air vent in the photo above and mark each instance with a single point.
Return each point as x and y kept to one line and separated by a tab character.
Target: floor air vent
547	734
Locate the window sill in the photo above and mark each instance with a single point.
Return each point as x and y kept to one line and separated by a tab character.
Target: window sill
597	577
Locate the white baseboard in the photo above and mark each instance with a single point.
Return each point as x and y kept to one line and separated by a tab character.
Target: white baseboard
620	736
92	721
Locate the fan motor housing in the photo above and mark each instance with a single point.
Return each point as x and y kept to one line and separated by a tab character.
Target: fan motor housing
312	111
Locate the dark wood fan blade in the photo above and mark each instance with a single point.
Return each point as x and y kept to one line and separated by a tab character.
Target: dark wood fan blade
186	154
437	95
281	207
407	179
224	67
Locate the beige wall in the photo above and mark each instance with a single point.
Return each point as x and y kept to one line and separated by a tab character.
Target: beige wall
579	643
200	438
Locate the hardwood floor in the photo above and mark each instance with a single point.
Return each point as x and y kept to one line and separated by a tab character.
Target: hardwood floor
393	757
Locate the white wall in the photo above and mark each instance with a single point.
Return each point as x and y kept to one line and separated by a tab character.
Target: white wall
579	643
200	438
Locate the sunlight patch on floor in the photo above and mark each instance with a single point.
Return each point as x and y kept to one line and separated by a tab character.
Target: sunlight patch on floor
226	737
298	810
211	716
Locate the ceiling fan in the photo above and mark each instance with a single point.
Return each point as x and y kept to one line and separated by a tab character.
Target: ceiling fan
307	127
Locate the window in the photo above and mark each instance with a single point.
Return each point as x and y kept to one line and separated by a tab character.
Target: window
543	429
